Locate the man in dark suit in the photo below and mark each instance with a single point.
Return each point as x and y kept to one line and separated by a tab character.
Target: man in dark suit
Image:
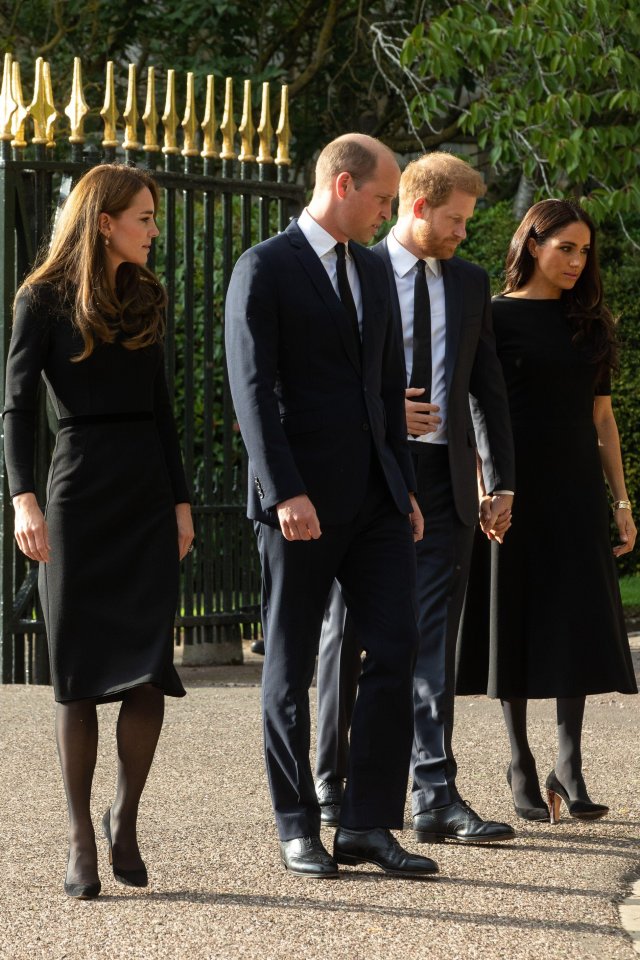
442	309
317	379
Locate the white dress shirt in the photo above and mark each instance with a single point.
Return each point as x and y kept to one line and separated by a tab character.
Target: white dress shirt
324	245
404	268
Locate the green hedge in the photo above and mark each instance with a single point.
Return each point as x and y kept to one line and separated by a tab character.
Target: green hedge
489	234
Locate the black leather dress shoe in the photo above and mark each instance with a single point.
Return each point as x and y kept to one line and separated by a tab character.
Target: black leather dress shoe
258	647
457	821
381	848
329	794
306	857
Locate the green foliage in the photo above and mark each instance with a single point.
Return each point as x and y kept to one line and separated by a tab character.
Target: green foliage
489	234
550	90
322	51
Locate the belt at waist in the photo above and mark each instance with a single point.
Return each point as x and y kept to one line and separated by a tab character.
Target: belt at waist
91	418
422	449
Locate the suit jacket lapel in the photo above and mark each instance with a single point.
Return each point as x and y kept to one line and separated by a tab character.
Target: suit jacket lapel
453	317
382	250
320	279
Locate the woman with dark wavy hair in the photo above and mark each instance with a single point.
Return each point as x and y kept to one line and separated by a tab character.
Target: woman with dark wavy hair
90	319
549	610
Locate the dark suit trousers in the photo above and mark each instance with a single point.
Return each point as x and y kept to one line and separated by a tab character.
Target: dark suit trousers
443	559
339	665
374	561
443	556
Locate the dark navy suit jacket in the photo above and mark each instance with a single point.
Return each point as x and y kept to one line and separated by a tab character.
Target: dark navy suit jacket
313	411
471	367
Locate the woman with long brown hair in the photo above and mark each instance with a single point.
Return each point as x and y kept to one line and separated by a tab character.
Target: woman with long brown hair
90	319
550	608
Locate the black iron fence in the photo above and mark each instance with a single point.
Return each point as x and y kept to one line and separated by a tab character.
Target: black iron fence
216	203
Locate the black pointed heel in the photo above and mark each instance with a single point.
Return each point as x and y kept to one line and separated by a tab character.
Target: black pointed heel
82	891
533	814
578	809
130	878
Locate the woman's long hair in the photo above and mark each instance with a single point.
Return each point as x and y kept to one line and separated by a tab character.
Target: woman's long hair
76	264
591	320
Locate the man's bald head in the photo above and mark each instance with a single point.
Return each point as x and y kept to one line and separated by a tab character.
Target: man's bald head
353	153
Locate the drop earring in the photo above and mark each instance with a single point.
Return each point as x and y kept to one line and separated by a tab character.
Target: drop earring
107	241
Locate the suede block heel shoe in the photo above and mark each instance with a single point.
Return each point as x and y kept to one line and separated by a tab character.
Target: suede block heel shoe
579	809
130	878
537	814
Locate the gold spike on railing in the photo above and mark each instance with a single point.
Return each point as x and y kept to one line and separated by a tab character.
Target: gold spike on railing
21	111
150	115
209	124
7	103
109	112
38	109
52	113
77	108
228	127
247	130
130	114
190	121
265	130
170	116
283	132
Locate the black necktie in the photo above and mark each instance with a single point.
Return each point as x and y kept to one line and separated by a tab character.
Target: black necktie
421	366
344	289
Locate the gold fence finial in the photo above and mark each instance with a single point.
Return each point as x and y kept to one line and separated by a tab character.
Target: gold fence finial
209	124
150	115
170	115
39	108
77	108
52	113
265	130
247	129
7	103
190	121
109	112
21	111
228	127
130	114
283	132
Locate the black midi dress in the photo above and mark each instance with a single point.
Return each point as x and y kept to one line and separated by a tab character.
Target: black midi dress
543	615
110	588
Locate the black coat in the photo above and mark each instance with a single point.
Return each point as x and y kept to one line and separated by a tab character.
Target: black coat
471	367
312	412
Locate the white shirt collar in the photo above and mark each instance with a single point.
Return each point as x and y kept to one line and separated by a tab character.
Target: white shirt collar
403	260
320	239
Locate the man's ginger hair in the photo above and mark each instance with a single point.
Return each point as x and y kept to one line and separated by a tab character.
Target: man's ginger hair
434	177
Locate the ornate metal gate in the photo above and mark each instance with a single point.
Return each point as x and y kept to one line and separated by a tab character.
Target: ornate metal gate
216	203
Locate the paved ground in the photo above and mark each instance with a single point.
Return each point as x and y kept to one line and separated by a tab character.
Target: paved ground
217	889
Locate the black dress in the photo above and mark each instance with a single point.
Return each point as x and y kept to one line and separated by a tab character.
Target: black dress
110	589
543	616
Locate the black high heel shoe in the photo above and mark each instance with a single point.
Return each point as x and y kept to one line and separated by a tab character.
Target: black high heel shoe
535	814
580	809
81	891
130	878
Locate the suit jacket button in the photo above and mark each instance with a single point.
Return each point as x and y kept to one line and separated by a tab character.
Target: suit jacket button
365	426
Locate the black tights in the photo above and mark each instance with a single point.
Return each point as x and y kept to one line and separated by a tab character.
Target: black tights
137	732
524	777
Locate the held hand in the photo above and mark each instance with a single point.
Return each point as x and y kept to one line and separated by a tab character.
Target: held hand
31	531
185	529
627	530
416	519
421	417
495	516
298	519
